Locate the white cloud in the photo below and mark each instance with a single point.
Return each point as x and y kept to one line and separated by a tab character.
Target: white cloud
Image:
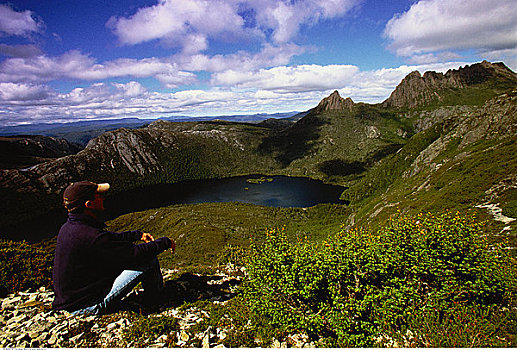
20	50
173	21
289	79
444	25
285	18
177	22
172	72
268	56
75	65
16	93
429	58
279	89
17	23
131	89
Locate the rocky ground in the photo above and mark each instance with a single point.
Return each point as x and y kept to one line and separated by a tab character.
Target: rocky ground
27	319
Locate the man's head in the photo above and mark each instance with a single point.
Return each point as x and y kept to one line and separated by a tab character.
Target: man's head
84	195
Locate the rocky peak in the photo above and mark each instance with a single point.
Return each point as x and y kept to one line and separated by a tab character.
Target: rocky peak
416	89
334	102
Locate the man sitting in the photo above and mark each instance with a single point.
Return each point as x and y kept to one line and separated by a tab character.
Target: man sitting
94	268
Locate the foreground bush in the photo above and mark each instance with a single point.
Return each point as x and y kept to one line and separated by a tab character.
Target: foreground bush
146	329
24	266
398	284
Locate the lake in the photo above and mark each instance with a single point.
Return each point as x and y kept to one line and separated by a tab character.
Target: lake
277	191
274	191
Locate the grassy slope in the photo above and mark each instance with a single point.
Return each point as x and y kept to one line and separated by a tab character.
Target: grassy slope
334	146
202	231
457	178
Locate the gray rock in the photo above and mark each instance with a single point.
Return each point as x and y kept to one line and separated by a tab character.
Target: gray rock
53	339
74	339
21	336
41	338
22	344
33	335
184	336
206	341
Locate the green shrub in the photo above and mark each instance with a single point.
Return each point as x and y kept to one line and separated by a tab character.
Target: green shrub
460	325
147	329
359	284
232	255
24	266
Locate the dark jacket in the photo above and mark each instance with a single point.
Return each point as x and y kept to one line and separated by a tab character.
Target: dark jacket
88	259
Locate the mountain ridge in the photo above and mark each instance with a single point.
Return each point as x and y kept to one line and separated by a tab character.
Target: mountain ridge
340	142
333	102
420	90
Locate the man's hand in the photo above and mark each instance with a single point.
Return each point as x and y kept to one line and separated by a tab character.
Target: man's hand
173	245
146	237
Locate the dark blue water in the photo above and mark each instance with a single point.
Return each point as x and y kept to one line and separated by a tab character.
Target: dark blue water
283	191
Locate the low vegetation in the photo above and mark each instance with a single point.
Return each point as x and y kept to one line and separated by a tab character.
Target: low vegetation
423	280
24	266
144	328
420	281
202	231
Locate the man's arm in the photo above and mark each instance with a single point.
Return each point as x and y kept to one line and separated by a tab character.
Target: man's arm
123	253
129	236
147	237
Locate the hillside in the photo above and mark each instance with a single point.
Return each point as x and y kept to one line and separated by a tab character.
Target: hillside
362	146
423	255
461	158
24	150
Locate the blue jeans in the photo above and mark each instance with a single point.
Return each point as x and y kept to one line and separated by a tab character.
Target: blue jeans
150	276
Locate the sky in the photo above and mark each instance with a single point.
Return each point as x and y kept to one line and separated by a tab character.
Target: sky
72	60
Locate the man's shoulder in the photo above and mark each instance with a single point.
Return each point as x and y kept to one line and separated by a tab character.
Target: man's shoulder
77	230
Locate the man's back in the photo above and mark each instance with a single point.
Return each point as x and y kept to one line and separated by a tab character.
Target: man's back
94	268
80	274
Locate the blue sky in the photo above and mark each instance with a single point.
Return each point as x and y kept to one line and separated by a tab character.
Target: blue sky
64	60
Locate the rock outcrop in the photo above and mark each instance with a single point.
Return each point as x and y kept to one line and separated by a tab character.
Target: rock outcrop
334	102
27	320
417	90
163	152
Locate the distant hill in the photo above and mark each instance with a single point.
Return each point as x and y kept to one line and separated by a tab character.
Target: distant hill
23	151
77	132
444	152
83	131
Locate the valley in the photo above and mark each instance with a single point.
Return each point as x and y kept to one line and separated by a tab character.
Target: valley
406	152
428	218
